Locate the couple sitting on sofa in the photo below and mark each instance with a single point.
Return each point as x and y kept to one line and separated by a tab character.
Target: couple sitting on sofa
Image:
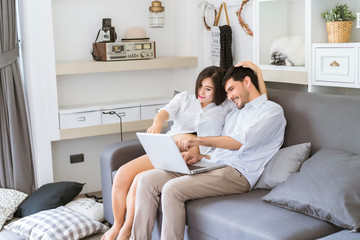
252	133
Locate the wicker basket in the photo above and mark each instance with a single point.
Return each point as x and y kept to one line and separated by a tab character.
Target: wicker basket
339	32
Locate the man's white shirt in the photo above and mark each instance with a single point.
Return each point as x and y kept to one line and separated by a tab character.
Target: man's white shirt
260	127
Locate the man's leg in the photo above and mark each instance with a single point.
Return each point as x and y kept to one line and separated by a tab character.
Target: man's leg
150	184
177	191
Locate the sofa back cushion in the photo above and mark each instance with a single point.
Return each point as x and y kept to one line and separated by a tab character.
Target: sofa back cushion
327	121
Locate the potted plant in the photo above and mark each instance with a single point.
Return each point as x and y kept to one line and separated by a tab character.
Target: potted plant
338	23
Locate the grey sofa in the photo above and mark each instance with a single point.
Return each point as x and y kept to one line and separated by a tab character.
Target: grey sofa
327	121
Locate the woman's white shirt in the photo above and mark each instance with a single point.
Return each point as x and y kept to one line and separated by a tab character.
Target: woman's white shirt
189	117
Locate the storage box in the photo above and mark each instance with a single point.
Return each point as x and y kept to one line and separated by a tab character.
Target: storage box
79	117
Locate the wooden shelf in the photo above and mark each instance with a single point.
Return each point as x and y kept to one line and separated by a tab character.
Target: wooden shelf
284	68
67	68
98	130
285	76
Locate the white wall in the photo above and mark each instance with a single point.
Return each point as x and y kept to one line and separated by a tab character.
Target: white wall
39	72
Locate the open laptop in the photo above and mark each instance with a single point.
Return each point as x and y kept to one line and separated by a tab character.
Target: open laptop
164	154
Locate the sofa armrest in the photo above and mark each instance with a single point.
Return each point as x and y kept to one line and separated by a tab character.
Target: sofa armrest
113	157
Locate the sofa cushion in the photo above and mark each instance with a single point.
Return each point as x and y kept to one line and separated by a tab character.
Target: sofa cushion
247	217
284	163
327	187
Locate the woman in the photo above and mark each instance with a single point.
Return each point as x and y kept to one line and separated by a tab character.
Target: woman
200	115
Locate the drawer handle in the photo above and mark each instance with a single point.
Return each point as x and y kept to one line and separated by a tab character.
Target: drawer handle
81	119
334	64
122	114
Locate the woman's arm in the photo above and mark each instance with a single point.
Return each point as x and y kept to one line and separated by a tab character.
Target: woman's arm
159	119
258	72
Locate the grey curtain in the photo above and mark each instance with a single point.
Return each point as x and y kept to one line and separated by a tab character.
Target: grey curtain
16	163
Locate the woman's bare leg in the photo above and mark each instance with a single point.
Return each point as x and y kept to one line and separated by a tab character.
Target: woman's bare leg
122	182
125	231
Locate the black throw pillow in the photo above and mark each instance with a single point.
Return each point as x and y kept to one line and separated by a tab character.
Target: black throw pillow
49	196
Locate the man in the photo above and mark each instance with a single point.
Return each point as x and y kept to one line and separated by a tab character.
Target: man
252	134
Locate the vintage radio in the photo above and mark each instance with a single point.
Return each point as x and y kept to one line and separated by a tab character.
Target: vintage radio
123	51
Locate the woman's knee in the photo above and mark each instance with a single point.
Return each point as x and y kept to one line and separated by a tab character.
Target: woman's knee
123	177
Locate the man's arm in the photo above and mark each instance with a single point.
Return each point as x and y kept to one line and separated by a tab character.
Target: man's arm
215	142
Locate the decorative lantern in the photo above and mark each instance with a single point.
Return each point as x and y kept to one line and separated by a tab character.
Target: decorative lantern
156	15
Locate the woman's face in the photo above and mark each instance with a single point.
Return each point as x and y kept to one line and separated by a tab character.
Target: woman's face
206	92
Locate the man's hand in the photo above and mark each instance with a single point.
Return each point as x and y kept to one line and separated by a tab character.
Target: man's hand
191	158
155	128
185	145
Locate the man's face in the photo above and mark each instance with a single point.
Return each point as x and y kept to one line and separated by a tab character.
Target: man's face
237	92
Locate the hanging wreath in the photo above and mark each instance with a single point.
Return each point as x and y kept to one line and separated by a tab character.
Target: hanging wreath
244	26
204	19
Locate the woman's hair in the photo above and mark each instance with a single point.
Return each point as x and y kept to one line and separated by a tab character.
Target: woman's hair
216	75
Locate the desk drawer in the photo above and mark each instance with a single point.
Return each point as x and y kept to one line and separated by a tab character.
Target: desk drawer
126	114
335	65
149	112
80	119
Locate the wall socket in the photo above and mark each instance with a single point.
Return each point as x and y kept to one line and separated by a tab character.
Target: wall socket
76	158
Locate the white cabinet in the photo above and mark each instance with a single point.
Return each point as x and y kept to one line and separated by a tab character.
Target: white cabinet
86	121
336	65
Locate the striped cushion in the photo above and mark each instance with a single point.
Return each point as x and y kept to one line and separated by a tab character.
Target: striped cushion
59	223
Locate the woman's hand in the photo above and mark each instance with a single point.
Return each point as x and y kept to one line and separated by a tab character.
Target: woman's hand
248	64
257	71
155	128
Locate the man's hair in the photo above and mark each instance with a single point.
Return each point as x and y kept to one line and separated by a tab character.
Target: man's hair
216	75
239	73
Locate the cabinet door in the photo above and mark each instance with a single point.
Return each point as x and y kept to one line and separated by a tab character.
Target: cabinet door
81	119
335	65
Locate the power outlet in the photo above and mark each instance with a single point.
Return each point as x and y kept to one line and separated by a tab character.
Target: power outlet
76	158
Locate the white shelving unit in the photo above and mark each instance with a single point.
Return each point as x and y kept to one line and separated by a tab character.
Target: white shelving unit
274	19
73	68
